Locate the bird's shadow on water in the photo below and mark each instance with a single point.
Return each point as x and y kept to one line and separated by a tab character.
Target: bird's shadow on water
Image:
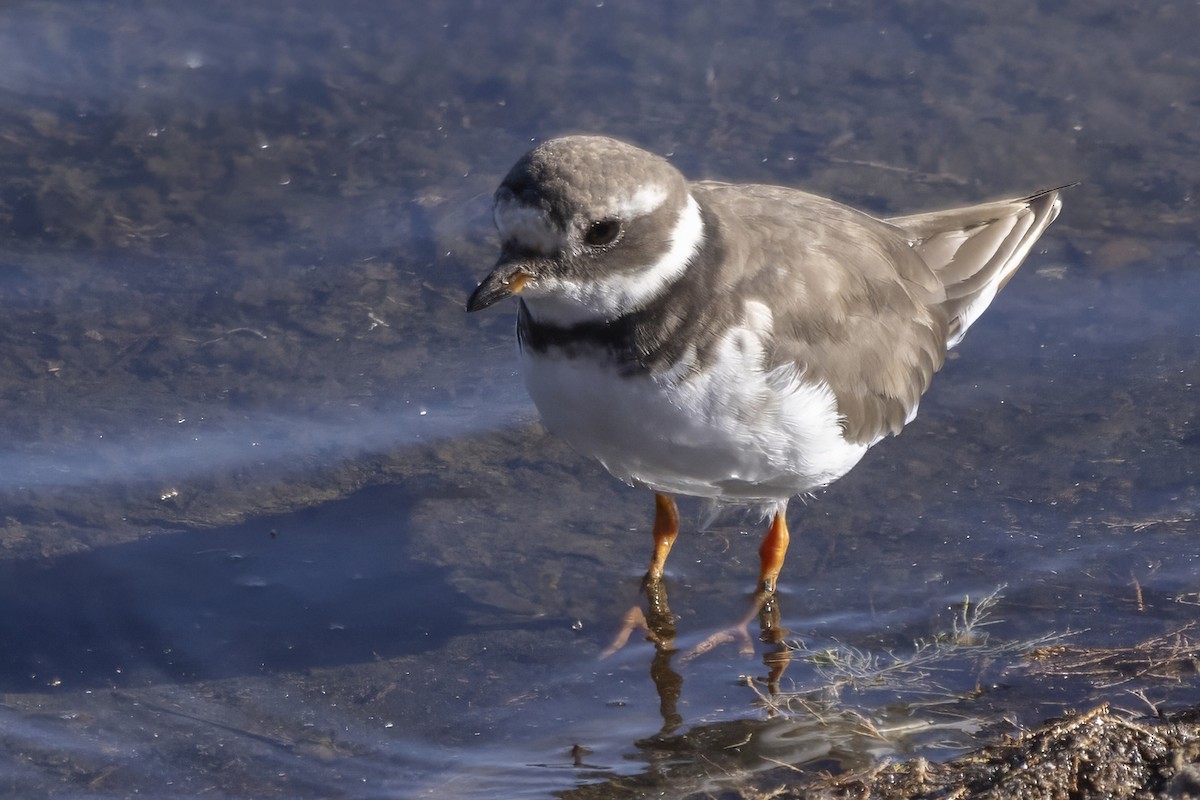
328	585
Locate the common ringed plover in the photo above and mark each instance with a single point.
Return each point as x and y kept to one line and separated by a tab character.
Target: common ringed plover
741	343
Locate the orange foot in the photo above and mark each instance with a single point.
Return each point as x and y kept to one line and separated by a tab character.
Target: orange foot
658	623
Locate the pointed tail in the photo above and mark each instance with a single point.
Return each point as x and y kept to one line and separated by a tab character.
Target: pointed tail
975	250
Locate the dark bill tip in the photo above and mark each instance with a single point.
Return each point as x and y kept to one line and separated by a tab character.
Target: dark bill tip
504	281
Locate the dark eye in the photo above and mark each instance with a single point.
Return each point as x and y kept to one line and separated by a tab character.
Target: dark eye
602	232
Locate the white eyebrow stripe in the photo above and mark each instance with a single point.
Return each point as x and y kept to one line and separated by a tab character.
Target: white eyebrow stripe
647	199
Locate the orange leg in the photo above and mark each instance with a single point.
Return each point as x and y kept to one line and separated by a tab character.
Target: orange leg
774	548
659	624
765	606
666	528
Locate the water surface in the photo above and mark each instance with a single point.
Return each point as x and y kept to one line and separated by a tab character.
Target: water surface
276	518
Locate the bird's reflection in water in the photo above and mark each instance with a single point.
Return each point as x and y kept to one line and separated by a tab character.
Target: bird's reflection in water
657	622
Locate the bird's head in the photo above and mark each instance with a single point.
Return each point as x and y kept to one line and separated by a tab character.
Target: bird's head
590	228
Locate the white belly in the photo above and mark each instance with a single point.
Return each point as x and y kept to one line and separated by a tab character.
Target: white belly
731	433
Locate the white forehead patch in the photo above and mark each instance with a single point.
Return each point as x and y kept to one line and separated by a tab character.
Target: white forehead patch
646	199
530	227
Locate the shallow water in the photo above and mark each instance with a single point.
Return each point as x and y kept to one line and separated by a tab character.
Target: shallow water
278	519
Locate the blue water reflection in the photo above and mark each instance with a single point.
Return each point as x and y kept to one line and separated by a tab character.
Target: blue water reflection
275	519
